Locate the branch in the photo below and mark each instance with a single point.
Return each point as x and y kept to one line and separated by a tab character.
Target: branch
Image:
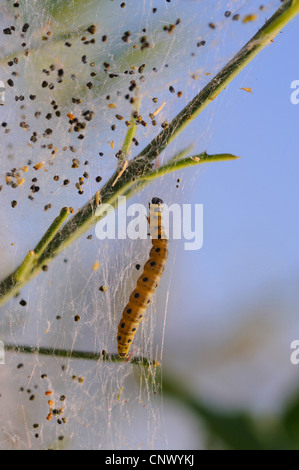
126	147
33	255
176	164
85	355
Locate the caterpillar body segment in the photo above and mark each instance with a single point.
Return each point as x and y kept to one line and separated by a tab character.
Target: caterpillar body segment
147	282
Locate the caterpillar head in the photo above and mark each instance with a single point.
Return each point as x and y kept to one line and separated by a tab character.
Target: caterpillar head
157	201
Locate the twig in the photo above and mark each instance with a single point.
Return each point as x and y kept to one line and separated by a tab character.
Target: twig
126	147
120	172
33	255
87	216
141	165
51	232
178	164
75	354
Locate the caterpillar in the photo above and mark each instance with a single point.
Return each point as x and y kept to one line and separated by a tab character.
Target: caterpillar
147	283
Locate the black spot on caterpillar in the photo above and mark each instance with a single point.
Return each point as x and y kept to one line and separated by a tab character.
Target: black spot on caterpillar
146	283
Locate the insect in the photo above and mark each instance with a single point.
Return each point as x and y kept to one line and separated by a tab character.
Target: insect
147	283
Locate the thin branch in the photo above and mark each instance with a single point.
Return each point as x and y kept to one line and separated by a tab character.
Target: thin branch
75	354
51	232
33	255
179	164
126	147
175	164
26	266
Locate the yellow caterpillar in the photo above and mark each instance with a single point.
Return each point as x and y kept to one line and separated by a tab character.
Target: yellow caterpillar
147	282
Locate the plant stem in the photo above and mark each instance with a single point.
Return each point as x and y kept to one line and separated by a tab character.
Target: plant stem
130	133
33	255
75	354
175	165
25	267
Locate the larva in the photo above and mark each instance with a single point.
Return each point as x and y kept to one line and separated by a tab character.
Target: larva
147	283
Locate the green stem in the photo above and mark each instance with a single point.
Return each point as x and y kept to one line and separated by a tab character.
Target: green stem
33	256
130	133
52	231
175	165
25	267
75	354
